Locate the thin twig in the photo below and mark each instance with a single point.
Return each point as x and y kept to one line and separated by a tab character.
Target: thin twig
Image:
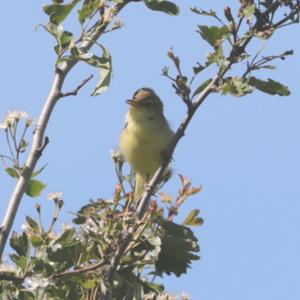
11	277
54	217
75	91
20	143
288	17
92	267
2	156
9	145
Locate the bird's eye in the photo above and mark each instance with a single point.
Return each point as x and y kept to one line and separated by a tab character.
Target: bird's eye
147	102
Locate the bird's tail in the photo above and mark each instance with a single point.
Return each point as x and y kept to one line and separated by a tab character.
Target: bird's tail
140	182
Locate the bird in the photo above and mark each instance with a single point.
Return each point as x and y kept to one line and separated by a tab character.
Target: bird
145	136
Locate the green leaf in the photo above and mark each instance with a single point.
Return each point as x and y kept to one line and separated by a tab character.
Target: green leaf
19	243
271	86
153	287
237	87
249	11
217	57
213	34
198	68
33	224
59	12
178	248
94	60
26	295
85	212
20	261
42	267
167	7
127	281
34	174
68	238
202	12
35	188
89	283
64	38
87	10
105	64
193	219
22	146
12	172
199	89
66	249
36	240
105	77
268	67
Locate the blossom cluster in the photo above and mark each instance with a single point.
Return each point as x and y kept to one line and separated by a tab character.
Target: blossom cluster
14	117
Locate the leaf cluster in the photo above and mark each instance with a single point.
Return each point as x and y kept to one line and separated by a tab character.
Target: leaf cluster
229	39
16	126
73	264
96	17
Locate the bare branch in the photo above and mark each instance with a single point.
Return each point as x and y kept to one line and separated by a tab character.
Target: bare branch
11	277
75	91
89	268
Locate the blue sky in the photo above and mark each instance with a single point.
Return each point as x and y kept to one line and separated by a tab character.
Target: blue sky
244	151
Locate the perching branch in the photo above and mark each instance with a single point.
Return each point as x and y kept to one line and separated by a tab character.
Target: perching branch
238	48
54	95
143	203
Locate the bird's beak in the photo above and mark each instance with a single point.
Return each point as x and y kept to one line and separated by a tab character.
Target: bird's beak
132	102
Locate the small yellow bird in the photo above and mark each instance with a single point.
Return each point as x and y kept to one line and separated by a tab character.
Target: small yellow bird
145	136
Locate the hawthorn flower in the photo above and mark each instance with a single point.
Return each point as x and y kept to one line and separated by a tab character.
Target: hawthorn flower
117	156
36	282
55	196
14	117
3	126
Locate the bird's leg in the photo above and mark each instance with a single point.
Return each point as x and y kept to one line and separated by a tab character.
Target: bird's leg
148	187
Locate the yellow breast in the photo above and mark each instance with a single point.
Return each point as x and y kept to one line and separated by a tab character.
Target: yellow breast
143	141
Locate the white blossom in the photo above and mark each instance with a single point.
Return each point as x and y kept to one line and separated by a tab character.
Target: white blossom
24	227
117	156
35	282
15	116
55	196
3	125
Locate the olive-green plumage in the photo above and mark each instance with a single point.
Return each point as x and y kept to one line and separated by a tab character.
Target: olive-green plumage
145	136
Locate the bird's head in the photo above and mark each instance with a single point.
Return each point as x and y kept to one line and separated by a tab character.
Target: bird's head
145	100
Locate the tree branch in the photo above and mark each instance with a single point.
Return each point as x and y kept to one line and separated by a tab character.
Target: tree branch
11	277
38	138
241	44
76	90
92	267
143	203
